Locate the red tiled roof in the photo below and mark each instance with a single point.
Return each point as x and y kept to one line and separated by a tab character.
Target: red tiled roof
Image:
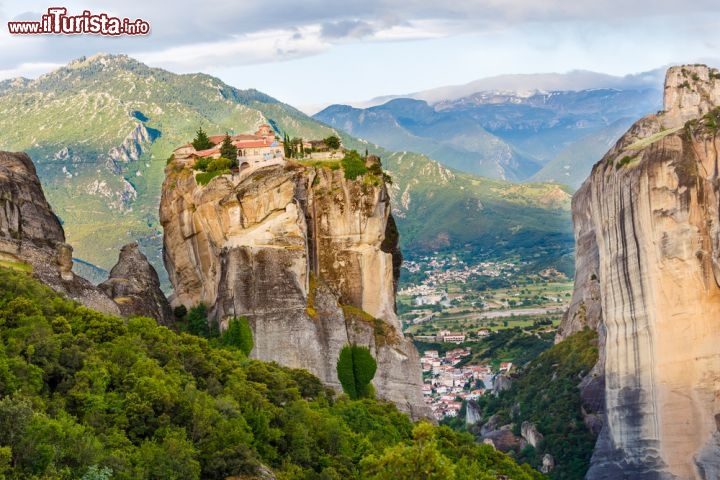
252	143
208	152
217	139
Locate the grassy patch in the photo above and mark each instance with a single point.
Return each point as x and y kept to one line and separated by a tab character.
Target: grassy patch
644	142
204	178
17	266
626	160
384	333
331	164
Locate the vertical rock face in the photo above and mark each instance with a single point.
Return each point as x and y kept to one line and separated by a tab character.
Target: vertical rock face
647	224
135	287
307	255
31	234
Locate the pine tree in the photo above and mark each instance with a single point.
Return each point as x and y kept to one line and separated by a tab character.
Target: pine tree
201	142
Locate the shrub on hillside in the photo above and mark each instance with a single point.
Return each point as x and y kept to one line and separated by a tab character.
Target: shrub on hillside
353	165
85	395
238	334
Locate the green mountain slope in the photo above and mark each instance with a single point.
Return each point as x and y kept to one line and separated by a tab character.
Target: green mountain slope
438	209
100	131
572	165
86	395
547	394
456	141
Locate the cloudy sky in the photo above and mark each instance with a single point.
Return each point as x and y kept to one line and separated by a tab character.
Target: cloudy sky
308	52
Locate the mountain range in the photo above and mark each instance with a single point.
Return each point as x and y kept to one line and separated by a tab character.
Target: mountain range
101	129
527	84
534	127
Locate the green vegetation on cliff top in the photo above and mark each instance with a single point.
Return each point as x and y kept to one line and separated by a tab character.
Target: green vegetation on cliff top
82	393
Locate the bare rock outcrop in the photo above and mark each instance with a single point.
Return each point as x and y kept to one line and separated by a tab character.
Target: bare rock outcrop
473	414
548	464
307	255
530	433
134	286
647	224
504	440
502	382
31	234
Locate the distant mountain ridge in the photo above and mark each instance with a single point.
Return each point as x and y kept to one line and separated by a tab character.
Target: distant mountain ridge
502	133
530	84
406	124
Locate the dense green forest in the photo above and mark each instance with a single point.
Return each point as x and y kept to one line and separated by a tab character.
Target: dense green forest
89	396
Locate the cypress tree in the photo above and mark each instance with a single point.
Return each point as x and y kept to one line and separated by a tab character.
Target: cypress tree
356	368
238	334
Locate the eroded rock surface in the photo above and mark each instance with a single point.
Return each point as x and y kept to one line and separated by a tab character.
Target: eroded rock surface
530	433
31	234
134	286
303	253
647	225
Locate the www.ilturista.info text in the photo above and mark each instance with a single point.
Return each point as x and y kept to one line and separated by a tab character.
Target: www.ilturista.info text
56	21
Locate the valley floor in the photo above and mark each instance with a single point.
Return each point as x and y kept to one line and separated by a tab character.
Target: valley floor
474	321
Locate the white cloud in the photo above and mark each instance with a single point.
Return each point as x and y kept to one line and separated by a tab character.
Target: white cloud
188	24
286	44
30	70
393	37
252	48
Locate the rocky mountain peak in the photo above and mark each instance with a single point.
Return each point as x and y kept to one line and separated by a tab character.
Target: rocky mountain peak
134	285
691	91
105	60
32	239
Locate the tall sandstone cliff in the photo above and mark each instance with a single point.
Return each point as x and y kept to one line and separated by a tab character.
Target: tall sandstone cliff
647	225
310	257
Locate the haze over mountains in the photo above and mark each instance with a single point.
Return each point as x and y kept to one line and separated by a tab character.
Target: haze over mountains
529	84
549	127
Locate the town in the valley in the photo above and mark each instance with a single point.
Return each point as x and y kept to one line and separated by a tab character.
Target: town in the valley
447	300
446	384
